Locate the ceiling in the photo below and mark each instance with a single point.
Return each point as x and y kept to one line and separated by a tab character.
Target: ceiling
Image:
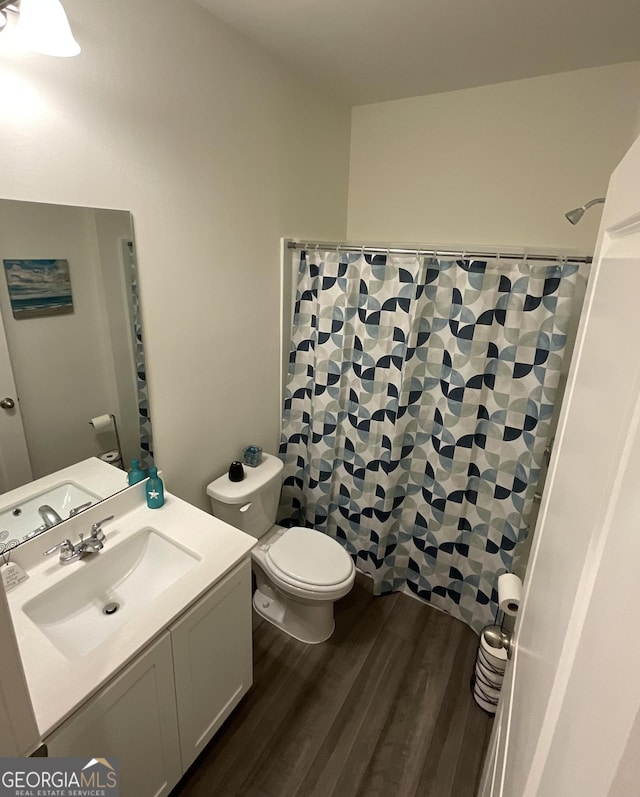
366	51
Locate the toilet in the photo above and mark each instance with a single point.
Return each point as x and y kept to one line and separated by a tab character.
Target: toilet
300	572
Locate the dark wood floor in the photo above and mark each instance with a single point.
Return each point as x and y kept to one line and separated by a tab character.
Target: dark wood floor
382	708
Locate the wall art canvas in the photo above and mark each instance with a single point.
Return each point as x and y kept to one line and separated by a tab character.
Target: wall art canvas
38	287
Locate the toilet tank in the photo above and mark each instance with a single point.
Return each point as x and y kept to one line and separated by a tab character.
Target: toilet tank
252	504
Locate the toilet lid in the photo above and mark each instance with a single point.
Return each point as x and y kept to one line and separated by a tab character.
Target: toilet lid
311	557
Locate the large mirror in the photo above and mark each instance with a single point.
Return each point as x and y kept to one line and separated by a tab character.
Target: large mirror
70	342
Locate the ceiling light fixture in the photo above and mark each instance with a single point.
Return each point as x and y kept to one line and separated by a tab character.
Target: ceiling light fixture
42	25
4	7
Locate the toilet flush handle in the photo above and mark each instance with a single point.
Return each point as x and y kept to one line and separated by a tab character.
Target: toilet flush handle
245	507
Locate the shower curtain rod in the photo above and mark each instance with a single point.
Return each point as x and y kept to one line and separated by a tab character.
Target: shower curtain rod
454	253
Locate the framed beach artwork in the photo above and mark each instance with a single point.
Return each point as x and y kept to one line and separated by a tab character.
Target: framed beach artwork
38	287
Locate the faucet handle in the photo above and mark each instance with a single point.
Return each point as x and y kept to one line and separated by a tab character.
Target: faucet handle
76	509
96	529
65	547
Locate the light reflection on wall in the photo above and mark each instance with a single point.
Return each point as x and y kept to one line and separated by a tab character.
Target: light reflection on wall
21	102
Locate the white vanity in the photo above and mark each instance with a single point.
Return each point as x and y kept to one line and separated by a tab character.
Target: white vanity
151	680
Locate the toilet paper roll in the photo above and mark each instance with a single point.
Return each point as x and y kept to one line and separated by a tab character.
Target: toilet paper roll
494	655
110	456
103	423
509	593
490	708
485	692
488	677
489	688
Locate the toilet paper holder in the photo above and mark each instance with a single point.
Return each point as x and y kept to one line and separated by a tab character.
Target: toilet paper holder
98	425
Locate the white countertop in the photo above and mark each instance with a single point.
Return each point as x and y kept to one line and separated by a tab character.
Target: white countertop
58	685
92	474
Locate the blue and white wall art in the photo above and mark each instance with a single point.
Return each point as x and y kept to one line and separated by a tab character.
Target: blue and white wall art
38	287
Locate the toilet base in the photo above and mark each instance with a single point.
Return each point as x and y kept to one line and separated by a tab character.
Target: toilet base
308	622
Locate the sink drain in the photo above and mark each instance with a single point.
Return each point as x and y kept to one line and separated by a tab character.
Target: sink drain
111	608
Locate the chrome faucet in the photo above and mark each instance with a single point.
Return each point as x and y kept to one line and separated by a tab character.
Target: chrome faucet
76	509
49	515
73	553
96	540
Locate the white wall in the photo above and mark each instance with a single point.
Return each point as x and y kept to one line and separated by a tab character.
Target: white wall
217	152
496	165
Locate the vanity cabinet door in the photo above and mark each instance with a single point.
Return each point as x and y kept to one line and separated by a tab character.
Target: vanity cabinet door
134	720
212	657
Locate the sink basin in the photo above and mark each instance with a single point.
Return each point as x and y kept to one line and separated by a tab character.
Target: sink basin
21	520
106	589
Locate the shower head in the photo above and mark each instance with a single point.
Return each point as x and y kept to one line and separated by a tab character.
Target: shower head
576	214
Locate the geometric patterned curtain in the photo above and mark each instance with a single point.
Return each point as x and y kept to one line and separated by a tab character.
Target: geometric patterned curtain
142	387
419	397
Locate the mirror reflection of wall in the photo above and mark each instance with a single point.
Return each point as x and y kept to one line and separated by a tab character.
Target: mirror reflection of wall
72	367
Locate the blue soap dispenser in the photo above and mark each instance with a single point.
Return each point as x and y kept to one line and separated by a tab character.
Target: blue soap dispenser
154	489
136	474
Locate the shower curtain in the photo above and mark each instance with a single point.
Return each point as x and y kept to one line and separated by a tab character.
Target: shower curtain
417	409
144	418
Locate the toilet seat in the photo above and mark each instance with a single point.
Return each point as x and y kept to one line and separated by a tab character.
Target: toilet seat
306	558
